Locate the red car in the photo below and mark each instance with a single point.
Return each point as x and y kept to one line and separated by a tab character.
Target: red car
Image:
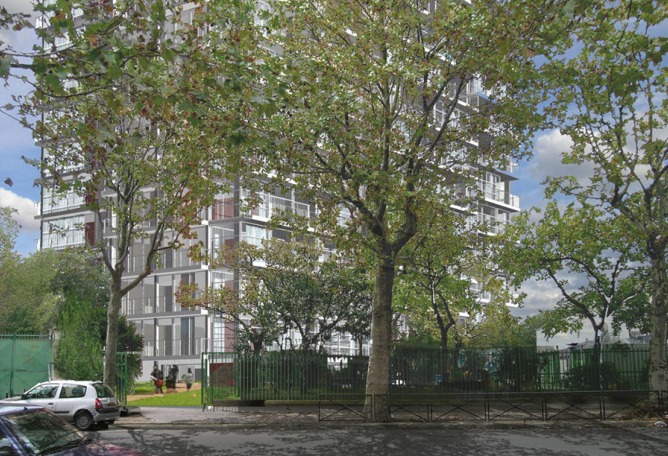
26	430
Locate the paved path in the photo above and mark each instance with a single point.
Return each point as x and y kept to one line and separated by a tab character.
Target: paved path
279	415
307	416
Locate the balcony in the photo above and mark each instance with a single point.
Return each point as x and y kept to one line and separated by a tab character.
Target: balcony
64	239
59	203
502	197
269	204
176	347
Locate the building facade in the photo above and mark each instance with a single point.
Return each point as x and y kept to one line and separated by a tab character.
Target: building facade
174	335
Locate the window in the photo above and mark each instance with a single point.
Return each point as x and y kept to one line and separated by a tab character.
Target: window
439	113
69	391
5	445
45	391
254	234
63	233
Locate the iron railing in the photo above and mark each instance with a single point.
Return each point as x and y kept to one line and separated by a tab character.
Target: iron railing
457	407
298	375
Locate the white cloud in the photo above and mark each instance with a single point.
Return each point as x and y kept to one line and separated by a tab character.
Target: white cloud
24	39
27	209
546	162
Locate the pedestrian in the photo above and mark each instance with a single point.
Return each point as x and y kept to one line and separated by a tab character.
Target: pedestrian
172	376
189	379
156	377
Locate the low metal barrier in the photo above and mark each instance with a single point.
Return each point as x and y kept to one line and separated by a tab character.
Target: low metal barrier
537	406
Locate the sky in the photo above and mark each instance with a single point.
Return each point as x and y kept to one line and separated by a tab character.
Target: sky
16	142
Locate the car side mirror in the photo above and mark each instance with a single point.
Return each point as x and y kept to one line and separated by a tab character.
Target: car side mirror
24	396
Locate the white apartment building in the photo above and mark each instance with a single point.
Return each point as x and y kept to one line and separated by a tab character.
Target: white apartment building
177	336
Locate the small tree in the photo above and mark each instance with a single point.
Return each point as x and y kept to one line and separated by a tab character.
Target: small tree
122	109
286	289
587	256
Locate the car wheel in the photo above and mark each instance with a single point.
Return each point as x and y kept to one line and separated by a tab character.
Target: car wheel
83	420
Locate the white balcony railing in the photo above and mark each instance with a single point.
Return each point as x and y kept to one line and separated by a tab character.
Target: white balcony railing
57	203
176	347
267	204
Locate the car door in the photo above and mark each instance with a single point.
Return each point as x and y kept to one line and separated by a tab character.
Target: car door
72	397
44	395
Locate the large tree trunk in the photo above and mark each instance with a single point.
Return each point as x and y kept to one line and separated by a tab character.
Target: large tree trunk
376	406
658	362
113	314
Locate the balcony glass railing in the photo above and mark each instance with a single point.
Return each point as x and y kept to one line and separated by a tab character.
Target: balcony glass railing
57	203
62	239
176	347
270	203
503	197
137	307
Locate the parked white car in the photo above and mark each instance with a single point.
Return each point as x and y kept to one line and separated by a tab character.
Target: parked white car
84	403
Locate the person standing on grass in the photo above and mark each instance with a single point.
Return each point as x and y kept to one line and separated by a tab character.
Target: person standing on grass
156	377
189	379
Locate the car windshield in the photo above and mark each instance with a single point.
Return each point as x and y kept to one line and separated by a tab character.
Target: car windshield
42	432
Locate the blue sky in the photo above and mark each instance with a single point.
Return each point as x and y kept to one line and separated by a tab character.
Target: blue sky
23	195
16	142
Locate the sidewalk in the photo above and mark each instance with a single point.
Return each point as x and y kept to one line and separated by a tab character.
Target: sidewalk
306	416
255	416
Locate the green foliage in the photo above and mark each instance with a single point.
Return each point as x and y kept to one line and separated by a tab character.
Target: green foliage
608	94
585	254
79	350
433	288
293	292
592	377
82	282
358	84
130	340
8	232
29	305
143	106
499	328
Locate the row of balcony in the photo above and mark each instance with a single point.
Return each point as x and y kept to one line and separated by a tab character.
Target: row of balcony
151	305
176	347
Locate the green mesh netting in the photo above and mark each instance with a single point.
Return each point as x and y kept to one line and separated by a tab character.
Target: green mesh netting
25	361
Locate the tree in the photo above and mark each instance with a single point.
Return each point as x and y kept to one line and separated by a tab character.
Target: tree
379	115
124	106
78	354
434	285
586	255
29	306
498	328
9	259
610	100
11	59
81	283
286	289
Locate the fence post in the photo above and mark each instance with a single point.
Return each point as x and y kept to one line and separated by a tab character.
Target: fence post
11	366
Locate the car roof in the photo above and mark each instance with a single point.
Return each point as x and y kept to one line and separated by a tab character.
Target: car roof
76	382
8	409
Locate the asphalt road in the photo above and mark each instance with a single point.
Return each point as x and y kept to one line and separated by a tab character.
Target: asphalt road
370	440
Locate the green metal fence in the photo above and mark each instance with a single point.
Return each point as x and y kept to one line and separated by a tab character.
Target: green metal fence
296	375
25	361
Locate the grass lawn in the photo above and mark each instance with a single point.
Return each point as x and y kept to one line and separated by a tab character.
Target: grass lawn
143	396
